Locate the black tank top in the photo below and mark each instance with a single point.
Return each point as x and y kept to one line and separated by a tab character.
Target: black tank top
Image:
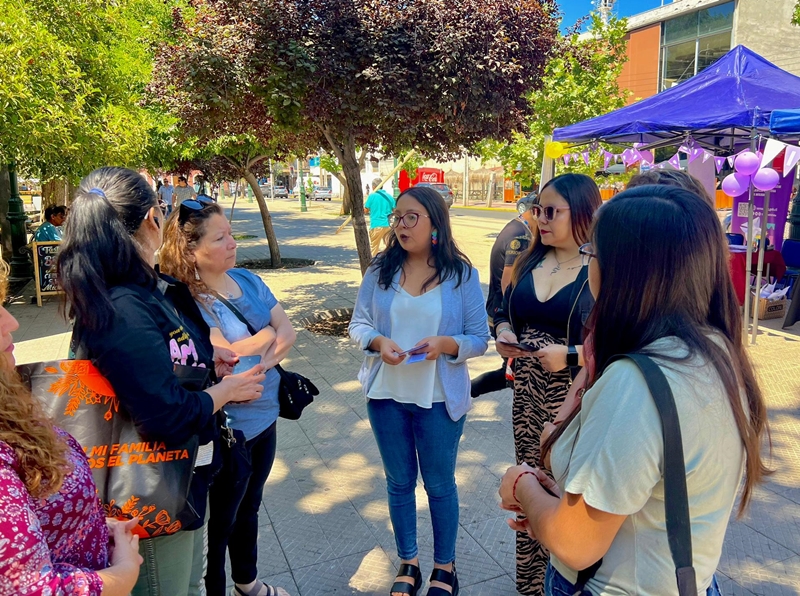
551	316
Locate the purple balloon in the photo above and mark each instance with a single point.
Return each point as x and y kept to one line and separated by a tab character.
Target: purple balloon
647	156
747	163
735	185
766	179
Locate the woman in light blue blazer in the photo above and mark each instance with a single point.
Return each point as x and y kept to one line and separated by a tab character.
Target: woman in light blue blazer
419	316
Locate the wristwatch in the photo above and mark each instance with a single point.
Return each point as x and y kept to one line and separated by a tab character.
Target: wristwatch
572	356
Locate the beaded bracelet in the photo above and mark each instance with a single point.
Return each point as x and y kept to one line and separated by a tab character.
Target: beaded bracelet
514	489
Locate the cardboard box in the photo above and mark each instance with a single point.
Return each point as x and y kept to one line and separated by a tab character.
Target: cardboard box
770	309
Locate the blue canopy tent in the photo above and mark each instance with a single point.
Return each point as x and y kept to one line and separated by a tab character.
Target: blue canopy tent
724	108
720	107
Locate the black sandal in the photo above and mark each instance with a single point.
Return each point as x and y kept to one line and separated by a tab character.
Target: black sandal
446	577
407	569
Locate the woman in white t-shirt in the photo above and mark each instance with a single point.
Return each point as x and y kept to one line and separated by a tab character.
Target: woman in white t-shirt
420	296
658	266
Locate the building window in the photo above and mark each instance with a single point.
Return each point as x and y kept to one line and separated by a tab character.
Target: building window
694	41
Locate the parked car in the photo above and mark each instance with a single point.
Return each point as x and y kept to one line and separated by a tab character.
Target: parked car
321	192
280	191
442	189
525	202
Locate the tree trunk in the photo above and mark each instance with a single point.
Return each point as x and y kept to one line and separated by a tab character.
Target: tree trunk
54	192
266	218
5	226
346	205
352	173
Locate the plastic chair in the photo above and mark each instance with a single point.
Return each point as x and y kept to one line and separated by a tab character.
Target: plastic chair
735	239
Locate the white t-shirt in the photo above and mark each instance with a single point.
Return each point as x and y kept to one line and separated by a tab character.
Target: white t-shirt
612	454
413	319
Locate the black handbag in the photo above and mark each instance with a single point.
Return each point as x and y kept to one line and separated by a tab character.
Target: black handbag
295	391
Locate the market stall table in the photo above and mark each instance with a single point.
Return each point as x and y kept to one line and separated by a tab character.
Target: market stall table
773	258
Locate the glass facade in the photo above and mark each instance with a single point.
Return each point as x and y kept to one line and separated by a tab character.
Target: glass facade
694	41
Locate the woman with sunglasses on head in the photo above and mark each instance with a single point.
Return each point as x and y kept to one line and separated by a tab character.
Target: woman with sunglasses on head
200	251
545	308
137	326
663	250
421	297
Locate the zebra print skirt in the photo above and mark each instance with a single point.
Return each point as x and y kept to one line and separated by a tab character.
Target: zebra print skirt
537	396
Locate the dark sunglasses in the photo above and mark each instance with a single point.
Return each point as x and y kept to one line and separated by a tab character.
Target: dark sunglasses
192	206
549	211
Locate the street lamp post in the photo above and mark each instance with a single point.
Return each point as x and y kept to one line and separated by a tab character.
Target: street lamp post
395	181
303	206
21	266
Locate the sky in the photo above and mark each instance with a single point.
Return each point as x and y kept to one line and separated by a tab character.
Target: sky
575	9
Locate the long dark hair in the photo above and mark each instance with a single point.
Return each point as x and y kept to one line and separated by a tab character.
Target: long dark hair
672	178
98	250
662	248
448	260
583	197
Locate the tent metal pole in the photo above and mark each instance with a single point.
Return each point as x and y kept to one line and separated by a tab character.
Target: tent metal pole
749	255
761	251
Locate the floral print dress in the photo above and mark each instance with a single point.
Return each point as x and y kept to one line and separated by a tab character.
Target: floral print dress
53	546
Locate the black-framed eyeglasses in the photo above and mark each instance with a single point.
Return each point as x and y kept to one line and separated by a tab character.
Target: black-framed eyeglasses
409	220
550	212
587	250
192	206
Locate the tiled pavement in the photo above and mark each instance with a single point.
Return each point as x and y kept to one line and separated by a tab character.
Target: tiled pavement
325	528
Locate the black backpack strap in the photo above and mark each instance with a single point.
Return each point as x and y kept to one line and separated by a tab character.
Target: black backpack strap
676	497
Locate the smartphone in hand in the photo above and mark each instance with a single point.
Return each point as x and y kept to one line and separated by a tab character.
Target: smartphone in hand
523	347
246	363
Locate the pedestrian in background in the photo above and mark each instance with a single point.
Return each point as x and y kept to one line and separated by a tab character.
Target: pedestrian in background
663	249
182	192
512	241
136	326
50	230
421	295
200	251
545	307
379	206
165	195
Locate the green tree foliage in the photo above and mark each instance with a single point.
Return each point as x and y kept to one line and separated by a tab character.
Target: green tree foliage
73	73
435	75
580	82
796	14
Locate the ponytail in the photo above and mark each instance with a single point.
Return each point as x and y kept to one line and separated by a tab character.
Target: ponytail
99	251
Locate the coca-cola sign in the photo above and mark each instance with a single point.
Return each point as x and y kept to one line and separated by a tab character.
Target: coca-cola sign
429	177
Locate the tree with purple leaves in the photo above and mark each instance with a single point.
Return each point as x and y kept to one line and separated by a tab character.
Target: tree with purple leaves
432	75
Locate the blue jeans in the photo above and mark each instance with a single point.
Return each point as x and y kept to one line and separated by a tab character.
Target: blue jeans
556	585
405	434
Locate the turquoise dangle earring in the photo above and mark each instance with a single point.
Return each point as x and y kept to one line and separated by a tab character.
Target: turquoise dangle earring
435	237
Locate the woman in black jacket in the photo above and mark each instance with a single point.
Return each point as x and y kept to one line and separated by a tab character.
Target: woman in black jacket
545	307
136	326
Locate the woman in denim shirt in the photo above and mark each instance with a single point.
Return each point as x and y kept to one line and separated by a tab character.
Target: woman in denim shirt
200	251
419	316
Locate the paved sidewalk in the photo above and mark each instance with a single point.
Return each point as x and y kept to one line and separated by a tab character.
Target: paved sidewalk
325	528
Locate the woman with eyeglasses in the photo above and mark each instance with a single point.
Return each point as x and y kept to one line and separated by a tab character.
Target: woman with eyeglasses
544	311
200	251
136	326
606	509
419	317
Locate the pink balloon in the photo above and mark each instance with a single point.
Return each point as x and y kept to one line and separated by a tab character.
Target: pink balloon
747	163
735	185
647	156
766	179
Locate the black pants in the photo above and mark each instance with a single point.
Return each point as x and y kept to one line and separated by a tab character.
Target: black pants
491	381
234	499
